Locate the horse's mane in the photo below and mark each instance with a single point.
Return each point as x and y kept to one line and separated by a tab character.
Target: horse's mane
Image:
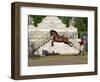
54	31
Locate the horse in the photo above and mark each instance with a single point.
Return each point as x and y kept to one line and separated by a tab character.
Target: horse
57	38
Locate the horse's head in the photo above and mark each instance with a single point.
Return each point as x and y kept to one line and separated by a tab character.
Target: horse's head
53	32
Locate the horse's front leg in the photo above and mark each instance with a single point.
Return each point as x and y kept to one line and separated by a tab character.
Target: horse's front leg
52	43
52	38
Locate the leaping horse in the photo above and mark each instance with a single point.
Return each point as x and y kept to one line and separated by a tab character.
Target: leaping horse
57	38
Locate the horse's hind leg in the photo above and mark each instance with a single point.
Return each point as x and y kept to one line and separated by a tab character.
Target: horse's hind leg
68	44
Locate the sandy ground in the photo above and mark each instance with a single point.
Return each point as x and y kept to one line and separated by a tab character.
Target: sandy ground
57	60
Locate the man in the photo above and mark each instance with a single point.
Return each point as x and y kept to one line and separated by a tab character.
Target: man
81	46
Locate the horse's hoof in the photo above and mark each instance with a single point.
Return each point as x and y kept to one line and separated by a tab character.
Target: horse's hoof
52	45
70	46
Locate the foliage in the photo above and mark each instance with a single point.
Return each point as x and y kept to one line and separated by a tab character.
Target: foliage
65	20
37	19
80	22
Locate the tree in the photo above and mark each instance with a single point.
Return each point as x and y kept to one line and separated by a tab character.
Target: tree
80	22
37	19
65	20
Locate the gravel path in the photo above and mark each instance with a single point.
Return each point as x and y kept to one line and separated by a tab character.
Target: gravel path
57	60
